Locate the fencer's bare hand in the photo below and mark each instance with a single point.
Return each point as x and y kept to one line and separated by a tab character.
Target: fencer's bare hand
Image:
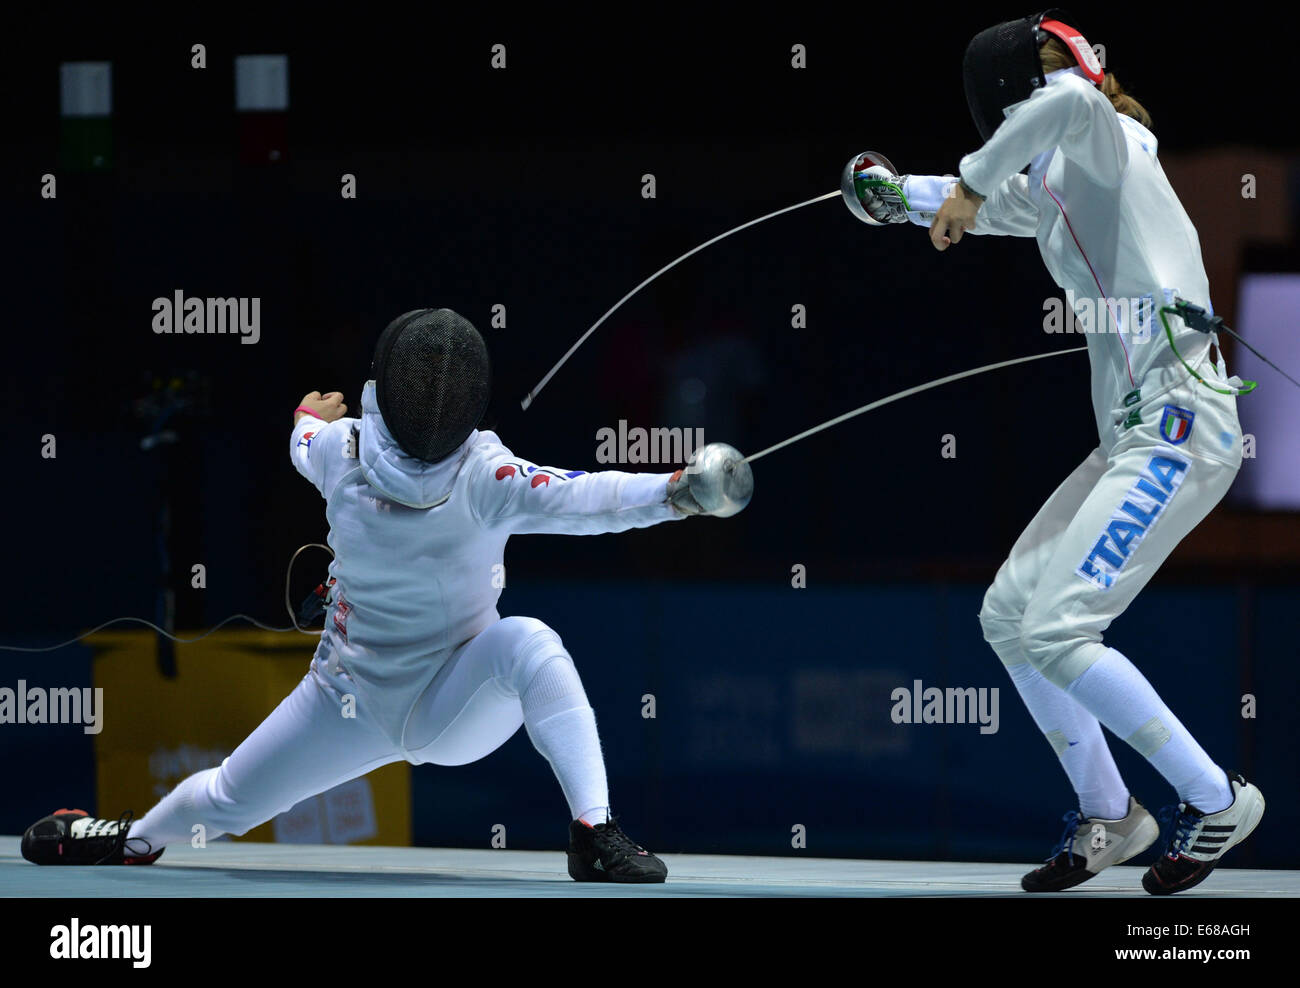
326	406
955	217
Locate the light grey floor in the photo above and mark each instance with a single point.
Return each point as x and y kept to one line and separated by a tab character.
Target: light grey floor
227	869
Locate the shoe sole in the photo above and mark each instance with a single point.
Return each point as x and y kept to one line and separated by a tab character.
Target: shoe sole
580	871
1060	886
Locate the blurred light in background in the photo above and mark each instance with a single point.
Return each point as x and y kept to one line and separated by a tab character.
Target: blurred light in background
262	101
1268	309
86	111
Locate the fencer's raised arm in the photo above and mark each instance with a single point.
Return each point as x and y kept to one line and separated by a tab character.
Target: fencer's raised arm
323	451
513	492
1068	113
305	429
315	412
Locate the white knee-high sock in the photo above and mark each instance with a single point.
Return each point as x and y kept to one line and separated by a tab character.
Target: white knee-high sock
172	819
1119	695
1075	736
562	727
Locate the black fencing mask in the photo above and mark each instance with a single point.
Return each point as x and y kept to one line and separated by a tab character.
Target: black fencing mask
1002	66
432	381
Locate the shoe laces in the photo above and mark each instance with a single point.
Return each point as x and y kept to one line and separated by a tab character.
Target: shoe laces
1179	827
1073	820
618	841
118	841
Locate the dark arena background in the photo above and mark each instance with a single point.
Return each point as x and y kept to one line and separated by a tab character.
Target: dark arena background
744	670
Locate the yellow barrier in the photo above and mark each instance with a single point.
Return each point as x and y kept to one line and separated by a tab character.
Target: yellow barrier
157	731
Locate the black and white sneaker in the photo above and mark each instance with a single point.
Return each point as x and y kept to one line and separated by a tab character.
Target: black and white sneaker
1090	844
604	853
1195	841
74	837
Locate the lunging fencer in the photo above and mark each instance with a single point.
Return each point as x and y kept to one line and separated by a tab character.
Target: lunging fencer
1069	158
420	504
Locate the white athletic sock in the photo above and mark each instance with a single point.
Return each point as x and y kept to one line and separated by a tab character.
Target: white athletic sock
1075	736
562	727
172	819
1119	695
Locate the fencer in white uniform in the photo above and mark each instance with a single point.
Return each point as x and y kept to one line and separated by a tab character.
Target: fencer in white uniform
415	662
1061	165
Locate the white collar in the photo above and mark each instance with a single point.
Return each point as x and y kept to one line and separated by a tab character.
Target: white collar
1048	80
1075	70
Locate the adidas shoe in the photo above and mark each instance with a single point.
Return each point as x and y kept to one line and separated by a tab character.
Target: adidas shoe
1196	841
74	837
604	853
1090	844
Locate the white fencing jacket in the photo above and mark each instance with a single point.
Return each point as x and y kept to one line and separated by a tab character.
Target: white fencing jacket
419	548
1110	228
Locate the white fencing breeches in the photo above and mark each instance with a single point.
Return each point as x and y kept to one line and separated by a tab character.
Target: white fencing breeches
1105	531
1086	555
307	745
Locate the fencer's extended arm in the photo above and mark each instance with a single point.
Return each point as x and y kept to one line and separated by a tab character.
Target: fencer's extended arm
527	498
1007	211
1071	114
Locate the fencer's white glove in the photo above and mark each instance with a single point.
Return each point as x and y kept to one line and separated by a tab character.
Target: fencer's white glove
877	193
680	496
881	194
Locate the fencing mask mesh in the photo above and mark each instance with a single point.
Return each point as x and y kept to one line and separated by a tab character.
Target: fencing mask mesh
432	381
1002	66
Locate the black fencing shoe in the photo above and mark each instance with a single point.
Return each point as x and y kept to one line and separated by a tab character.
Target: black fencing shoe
604	853
74	837
1090	844
1196	841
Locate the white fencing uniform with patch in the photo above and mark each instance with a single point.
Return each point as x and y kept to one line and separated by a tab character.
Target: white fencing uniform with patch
419	547
1110	230
1113	235
414	649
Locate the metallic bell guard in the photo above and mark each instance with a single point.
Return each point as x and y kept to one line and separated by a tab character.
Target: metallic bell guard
719	479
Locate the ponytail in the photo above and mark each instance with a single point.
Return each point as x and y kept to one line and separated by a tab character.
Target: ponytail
1055	55
1123	102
